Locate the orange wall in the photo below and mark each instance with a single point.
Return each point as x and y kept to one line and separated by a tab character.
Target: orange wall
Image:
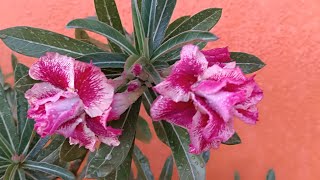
284	33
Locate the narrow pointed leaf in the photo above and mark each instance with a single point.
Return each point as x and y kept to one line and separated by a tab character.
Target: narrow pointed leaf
25	125
206	156
271	175
10	172
148	13
104	29
163	15
1	78
247	62
23	81
107	12
38	147
105	59
166	173
36	42
203	21
142	164
71	152
21	174
106	159
51	151
82	35
182	39
138	26
49	168
14	61
175	24
235	139
7	126
5	148
143	131
124	170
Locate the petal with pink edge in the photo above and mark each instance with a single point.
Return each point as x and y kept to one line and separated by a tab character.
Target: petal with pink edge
217	55
66	129
177	85
222	102
106	134
93	88
58	113
55	69
122	101
83	136
179	113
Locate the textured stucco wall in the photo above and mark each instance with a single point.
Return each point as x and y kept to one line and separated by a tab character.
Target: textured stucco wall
284	33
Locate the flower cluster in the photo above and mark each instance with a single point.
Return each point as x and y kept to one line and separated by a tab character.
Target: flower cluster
203	93
76	100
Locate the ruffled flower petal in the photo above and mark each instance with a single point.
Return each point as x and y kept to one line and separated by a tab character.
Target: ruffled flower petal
106	134
93	88
216	56
179	113
122	101
67	128
184	74
55	69
83	136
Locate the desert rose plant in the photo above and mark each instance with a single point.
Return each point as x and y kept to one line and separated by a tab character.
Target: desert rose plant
75	113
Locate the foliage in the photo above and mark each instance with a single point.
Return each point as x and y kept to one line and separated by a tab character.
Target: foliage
156	43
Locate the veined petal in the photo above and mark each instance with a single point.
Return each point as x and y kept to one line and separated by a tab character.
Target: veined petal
42	93
222	102
55	69
184	74
247	110
178	113
106	134
93	88
57	113
122	101
217	55
66	129
83	136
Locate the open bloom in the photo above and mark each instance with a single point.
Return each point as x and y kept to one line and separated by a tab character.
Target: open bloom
75	100
203	93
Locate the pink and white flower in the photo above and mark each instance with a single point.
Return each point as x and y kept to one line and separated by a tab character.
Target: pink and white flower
203	93
75	100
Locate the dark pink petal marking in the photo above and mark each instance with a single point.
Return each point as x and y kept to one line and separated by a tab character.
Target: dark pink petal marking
179	113
184	74
83	136
66	129
55	69
216	56
92	88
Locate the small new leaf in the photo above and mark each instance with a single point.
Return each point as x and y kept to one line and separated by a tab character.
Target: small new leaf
71	152
235	139
247	62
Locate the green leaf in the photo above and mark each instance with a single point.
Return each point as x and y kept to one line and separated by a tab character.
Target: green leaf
123	172
36	175
148	97
236	175
138	28
82	35
25	125
148	16
107	12
203	21
189	166
51	152
166	173
247	62
7	126
175	24
38	147
163	15
106	159
235	139
142	164
182	39
5	148
11	172
23	81
71	152
104	29
105	59
36	42
143	131
271	175
21	174
1	78
14	61
206	156
153	73
49	168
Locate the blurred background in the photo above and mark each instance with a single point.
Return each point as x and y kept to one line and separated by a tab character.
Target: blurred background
283	33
